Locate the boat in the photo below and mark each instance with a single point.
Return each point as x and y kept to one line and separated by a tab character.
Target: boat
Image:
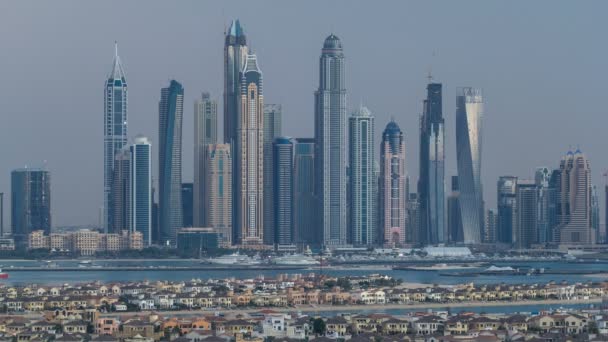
85	262
295	260
235	259
3	275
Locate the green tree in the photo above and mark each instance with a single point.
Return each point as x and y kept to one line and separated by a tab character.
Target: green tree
318	326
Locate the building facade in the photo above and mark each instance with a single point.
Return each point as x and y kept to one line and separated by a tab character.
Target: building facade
272	130
363	184
30	203
507	206
121	191
491	226
205	133
218	195
114	131
306	229
431	182
249	224
454	224
392	195
170	109
283	191
187	204
469	114
526	214
141	188
330	148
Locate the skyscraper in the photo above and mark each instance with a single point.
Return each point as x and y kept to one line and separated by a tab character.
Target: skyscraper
170	110
542	177
305	223
141	188
283	191
250	156
363	184
454	221
526	214
121	191
272	130
218	195
469	113
205	133
413	219
392	194
30	203
595	214
431	183
235	54
491	226
507	206
187	204
574	211
330	148
114	130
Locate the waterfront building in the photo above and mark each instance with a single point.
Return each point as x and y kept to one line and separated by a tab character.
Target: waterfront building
431	181
114	131
218	195
574	212
413	219
85	242
272	130
193	241
187	204
526	214
542	177
283	191
205	133
363	184
491	226
507	203
306	229
249	224
330	148
121	191
595	215
30	202
553	199
392	195
141	188
170	110
454	221
235	55
469	114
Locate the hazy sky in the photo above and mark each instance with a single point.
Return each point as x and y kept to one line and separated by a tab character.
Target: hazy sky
542	65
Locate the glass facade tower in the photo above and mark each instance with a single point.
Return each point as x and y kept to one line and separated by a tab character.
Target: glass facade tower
30	203
141	188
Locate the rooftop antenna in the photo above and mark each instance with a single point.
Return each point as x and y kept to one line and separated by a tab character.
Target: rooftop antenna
430	74
115	48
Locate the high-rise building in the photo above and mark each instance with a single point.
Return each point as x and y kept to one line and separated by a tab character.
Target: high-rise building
235	55
542	177
491	226
170	110
121	192
187	204
574	200
553	195
431	181
363	184
272	130
205	133
141	188
250	157
413	219
392	190
330	148
114	131
283	191
595	215
469	113
526	214
507	206
30	203
218	197
306	228
454	222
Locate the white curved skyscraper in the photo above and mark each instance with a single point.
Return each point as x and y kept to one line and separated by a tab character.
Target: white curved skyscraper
469	114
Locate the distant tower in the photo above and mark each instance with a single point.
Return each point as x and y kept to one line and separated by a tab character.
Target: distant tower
469	114
363	184
431	183
170	109
455	233
491	226
187	204
205	133
114	131
121	191
272	130
30	203
330	148
305	224
250	156
392	208
283	191
235	54
507	206
141	188
218	196
574	200
595	215
542	178
526	214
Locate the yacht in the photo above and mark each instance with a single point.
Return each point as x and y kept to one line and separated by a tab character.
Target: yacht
295	260
235	259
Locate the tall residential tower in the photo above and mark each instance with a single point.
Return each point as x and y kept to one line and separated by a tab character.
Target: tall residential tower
205	133
392	208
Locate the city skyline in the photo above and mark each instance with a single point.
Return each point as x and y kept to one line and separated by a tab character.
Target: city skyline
81	206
